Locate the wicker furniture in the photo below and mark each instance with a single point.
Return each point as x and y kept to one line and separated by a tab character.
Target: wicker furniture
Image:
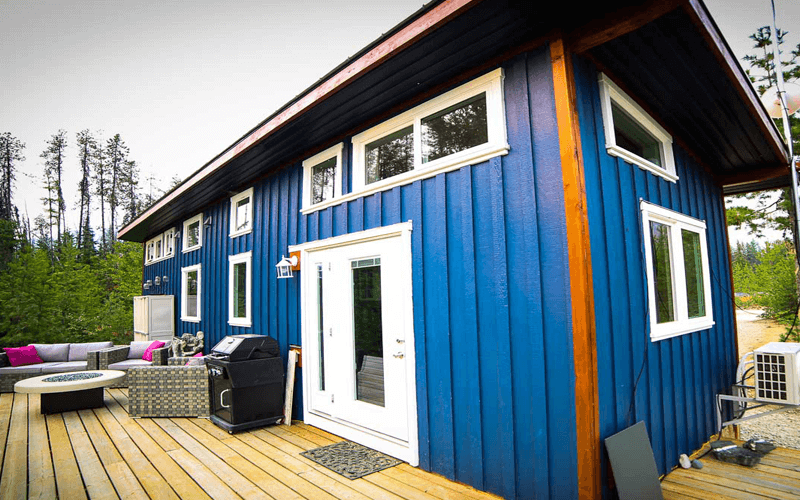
174	390
57	358
125	357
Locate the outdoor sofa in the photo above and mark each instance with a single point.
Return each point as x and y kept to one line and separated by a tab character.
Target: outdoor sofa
175	390
56	358
124	357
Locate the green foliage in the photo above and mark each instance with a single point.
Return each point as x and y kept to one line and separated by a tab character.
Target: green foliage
73	298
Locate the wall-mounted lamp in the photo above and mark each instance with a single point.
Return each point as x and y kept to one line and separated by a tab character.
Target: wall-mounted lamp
285	266
177	234
165	279
157	281
207	222
147	285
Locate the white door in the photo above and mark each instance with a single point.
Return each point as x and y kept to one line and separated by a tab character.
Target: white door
358	340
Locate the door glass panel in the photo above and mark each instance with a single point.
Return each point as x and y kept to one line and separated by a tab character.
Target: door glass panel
368	330
320	333
693	266
662	272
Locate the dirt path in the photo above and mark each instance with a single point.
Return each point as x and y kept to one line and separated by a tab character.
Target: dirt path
754	331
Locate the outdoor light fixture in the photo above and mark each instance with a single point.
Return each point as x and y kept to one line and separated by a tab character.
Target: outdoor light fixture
165	279
177	234
148	283
157	281
285	266
207	222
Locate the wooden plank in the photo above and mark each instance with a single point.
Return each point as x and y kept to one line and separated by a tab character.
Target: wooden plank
465	490
6	402
13	483
125	481
711	489
736	472
67	474
254	470
239	483
98	485
580	272
404	490
741	482
150	479
41	480
678	491
178	479
289	398
207	480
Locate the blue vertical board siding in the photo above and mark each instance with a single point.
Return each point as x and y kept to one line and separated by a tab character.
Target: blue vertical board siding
679	376
491	296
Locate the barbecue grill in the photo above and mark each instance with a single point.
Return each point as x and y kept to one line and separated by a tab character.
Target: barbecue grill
246	382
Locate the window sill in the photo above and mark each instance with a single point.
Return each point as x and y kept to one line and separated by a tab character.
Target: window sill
154	261
192	249
641	162
680	329
240	233
474	156
190	320
240	322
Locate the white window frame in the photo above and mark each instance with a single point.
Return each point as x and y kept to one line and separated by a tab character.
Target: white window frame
185	233
309	164
185	289
609	91
246	257
497	144
676	222
247	193
151	256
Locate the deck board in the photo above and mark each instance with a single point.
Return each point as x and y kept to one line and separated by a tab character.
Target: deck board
13	484
41	479
68	477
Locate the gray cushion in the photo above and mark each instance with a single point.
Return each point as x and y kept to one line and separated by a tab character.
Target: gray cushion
67	366
52	352
138	347
124	365
78	352
33	369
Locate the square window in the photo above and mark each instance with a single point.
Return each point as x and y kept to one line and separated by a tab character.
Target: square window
322	176
676	257
193	233
632	134
239	289
242	213
191	288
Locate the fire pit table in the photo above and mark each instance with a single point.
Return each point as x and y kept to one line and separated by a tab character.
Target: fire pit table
70	391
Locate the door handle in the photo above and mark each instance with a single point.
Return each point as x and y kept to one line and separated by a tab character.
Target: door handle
399	355
221	402
400	341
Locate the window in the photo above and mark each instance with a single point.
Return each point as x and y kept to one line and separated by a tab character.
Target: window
676	255
191	288
239	289
461	127
634	135
193	233
161	247
322	176
242	213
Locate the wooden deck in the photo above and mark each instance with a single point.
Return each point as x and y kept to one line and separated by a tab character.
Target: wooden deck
777	476
104	454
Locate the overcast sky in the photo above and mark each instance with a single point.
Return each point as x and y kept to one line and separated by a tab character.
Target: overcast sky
180	81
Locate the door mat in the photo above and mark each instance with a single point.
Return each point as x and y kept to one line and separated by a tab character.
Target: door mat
351	460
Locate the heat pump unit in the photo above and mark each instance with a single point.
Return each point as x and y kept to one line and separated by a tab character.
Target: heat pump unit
154	317
777	372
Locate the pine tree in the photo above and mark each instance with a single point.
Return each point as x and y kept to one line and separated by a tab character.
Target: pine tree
116	157
10	153
54	157
130	183
87	152
101	190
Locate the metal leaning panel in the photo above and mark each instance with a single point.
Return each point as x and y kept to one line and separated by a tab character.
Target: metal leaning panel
681	375
495	371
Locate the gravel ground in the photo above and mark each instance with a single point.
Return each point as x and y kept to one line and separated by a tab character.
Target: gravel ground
783	428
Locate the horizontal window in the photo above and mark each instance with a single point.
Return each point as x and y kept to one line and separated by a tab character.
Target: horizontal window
461	127
676	256
161	247
632	134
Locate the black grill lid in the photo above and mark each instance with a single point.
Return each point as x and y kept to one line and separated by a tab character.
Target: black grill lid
246	346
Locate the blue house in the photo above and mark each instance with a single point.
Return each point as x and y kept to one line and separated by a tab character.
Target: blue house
511	236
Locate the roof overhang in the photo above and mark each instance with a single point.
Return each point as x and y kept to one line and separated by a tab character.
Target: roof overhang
451	40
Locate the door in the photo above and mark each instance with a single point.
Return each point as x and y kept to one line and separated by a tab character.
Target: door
358	341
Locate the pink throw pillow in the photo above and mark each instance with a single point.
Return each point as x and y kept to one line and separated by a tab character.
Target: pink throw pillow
148	353
198	355
19	356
